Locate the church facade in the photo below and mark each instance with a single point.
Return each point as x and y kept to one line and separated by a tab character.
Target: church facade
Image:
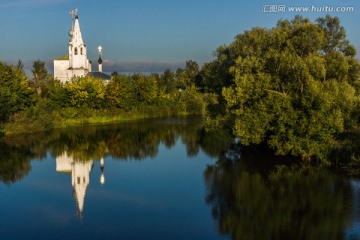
76	62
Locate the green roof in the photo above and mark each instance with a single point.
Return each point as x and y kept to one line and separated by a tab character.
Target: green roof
65	57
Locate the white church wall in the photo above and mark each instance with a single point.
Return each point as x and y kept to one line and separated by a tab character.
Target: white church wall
79	72
79	61
61	70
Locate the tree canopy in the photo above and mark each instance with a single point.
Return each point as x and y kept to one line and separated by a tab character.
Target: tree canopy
39	75
294	87
15	92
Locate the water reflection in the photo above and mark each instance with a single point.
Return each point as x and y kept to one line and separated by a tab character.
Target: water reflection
76	149
249	195
80	176
127	141
14	162
280	203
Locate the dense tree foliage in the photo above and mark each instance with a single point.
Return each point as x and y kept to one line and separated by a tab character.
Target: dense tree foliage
39	75
15	92
88	99
187	76
294	86
86	92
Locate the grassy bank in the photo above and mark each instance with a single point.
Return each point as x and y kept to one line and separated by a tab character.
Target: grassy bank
43	117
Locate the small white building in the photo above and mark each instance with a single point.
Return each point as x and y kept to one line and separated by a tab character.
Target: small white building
75	63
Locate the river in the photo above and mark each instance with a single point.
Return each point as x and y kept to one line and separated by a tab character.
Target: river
165	179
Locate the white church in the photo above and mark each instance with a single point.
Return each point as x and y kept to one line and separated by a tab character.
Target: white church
76	62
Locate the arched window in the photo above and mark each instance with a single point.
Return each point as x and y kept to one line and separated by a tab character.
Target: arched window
81	51
76	51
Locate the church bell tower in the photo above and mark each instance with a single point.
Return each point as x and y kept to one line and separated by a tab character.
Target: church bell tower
75	63
78	62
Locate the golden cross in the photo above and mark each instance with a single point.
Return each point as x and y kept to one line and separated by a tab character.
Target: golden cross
72	13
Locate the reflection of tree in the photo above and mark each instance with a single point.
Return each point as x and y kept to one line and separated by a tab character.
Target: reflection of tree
14	163
214	143
80	143
131	140
190	137
134	140
285	204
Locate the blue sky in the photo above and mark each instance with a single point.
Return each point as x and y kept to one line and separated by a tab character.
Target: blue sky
145	35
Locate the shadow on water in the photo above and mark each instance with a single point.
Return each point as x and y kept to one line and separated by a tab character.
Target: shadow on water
14	162
255	196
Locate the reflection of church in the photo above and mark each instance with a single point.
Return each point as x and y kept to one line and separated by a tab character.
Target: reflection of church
80	172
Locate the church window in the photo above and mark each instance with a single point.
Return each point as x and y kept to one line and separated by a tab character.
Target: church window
84	180
81	51
78	180
76	51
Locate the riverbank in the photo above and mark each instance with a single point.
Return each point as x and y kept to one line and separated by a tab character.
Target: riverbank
343	159
42	120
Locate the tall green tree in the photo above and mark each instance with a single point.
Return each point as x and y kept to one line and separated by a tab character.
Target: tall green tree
15	92
294	86
167	82
335	36
188	76
20	65
39	75
215	75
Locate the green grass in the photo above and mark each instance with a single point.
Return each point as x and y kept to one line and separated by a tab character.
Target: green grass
23	122
65	57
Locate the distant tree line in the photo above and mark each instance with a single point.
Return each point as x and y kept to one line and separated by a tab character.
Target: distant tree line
41	102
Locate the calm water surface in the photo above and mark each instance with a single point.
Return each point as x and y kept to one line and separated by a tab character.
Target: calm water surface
164	179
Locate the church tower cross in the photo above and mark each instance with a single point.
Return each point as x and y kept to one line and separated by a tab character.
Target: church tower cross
73	13
77	48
